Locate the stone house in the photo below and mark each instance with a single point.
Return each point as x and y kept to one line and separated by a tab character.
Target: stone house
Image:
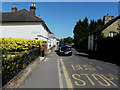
25	24
109	29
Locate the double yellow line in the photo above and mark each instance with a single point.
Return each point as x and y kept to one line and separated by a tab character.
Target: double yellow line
67	78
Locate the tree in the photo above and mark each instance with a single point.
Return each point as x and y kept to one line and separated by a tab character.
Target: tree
67	40
82	29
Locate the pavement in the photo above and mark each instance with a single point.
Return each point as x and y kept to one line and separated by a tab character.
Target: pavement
77	71
45	75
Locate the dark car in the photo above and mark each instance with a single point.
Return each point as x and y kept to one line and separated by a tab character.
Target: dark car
61	45
65	50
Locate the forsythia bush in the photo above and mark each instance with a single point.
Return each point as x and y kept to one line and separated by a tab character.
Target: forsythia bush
19	44
12	64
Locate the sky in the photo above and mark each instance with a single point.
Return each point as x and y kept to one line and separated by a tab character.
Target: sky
61	17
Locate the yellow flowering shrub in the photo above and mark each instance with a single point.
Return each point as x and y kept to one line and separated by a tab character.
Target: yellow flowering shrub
19	44
23	66
17	54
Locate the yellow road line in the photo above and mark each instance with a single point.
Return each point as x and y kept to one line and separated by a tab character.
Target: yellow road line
113	76
68	81
90	62
99	68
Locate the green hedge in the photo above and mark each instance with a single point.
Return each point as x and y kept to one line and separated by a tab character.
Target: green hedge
108	49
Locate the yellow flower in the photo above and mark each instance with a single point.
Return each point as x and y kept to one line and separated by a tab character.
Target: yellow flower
17	66
11	44
8	67
23	66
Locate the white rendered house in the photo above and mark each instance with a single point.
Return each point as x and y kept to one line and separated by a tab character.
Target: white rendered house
24	24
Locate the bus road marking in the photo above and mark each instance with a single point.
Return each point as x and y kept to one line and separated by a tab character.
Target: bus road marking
99	67
90	62
100	78
108	80
83	67
113	76
89	79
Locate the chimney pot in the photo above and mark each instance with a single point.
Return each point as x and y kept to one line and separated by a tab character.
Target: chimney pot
15	5
107	18
14	8
34	4
31	4
32	9
40	17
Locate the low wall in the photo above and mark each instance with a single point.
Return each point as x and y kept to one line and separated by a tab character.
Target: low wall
20	78
23	75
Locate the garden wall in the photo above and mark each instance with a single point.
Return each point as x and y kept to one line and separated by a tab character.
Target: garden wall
23	75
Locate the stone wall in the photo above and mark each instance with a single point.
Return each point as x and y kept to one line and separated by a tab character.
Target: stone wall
112	28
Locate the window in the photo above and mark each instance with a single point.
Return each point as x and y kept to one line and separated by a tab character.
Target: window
36	38
112	34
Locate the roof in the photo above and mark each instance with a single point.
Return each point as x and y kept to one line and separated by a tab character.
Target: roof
22	16
106	25
56	38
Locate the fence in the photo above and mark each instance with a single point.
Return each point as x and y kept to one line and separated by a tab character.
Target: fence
12	67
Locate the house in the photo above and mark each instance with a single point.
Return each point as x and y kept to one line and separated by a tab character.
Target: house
109	29
25	24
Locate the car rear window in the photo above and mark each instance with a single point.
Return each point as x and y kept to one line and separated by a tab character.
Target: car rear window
66	48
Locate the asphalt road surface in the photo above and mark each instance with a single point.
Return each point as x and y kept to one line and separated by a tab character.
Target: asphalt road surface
73	72
79	71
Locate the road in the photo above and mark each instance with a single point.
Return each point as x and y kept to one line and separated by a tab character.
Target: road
76	71
81	72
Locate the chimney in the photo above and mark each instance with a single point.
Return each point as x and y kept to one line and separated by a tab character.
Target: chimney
32	9
40	17
14	8
107	18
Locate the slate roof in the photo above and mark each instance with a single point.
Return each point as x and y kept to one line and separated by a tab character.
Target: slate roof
106	25
22	16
